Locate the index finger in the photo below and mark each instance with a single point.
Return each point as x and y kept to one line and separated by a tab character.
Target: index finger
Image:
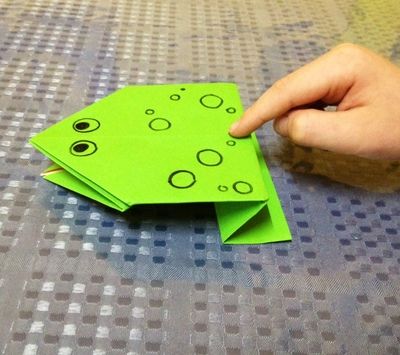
328	78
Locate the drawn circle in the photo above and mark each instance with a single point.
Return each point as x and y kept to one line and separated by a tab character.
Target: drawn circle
211	101
242	187
149	111
159	124
85	125
209	157
175	97
83	148
231	143
182	179
223	188
231	110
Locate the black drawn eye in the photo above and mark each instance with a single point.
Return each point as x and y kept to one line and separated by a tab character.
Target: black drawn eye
83	148
85	125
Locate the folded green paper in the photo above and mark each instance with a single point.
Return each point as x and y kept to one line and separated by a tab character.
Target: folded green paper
168	144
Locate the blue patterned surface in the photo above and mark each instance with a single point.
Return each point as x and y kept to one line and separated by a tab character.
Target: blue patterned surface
78	278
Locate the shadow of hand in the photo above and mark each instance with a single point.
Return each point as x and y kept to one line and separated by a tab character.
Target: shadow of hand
371	175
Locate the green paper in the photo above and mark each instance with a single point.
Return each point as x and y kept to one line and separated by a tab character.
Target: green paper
168	144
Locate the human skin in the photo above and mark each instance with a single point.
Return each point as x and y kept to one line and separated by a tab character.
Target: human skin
364	86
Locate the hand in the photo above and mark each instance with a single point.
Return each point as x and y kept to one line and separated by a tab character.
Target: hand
364	86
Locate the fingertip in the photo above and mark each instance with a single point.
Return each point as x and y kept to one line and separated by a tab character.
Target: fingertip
233	128
237	130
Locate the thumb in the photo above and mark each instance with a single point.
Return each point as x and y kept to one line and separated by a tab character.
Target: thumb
339	132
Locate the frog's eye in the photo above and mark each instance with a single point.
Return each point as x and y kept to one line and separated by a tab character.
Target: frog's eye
83	148
85	125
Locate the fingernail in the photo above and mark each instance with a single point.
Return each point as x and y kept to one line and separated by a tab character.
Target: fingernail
233	127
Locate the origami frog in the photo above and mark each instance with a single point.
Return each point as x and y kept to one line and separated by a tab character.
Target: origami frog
168	144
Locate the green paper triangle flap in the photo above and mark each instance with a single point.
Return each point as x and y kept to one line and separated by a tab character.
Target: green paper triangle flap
61	177
80	180
233	215
273	211
254	222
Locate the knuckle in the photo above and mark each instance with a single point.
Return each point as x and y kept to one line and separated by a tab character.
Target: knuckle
352	57
351	52
281	84
282	88
347	48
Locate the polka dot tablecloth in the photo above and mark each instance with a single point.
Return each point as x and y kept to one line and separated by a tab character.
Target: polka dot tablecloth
79	278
